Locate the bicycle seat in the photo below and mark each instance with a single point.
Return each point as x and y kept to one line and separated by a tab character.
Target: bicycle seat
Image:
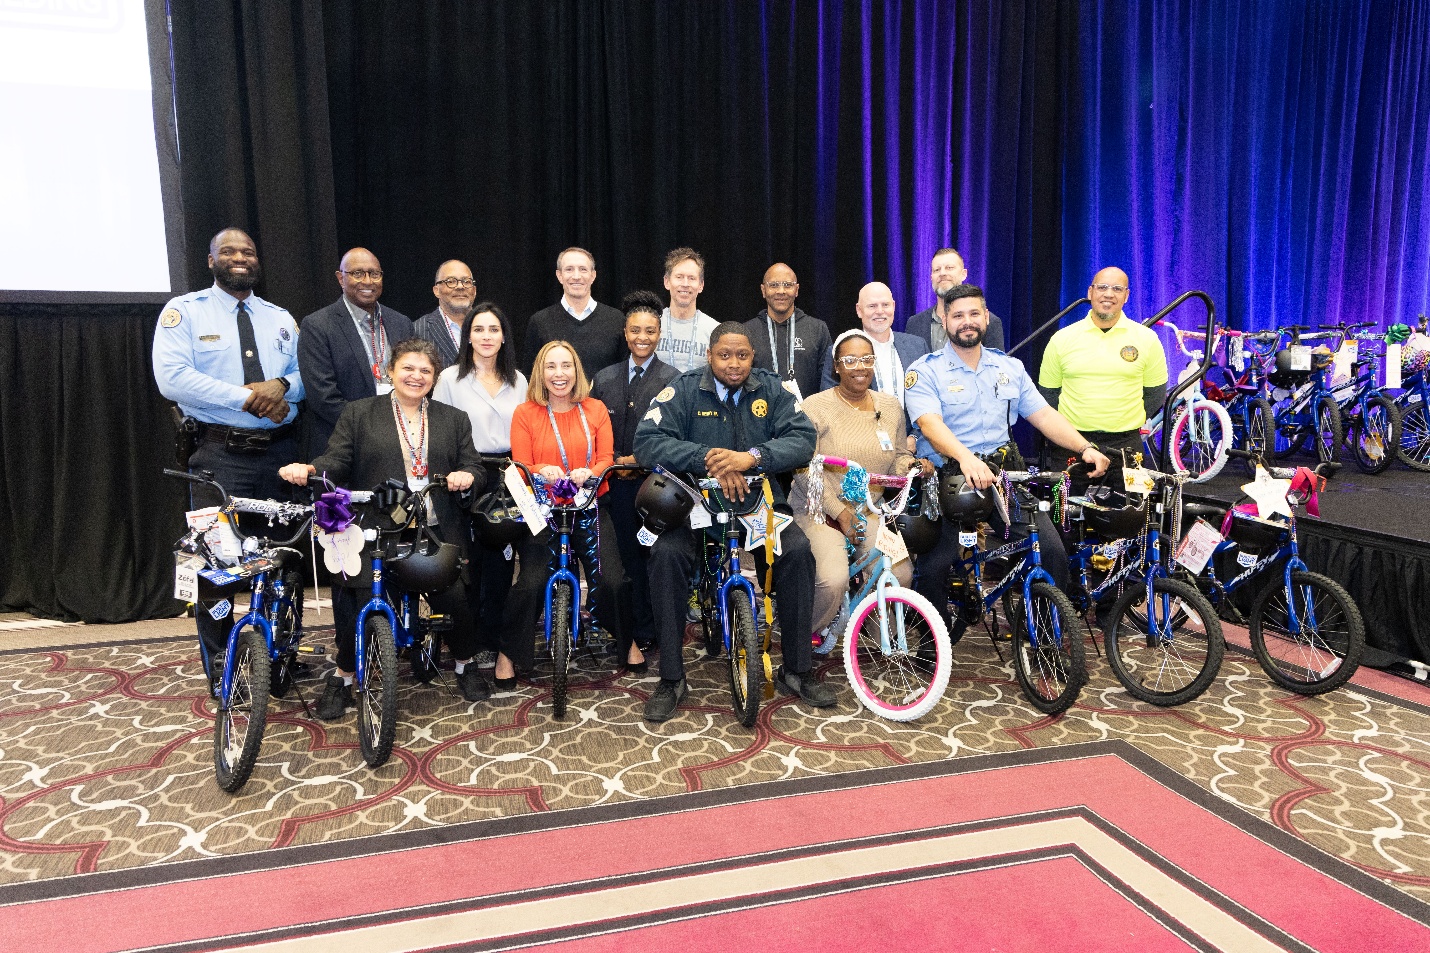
1210	512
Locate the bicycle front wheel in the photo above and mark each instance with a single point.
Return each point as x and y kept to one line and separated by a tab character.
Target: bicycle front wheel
747	671
242	716
1330	430
1054	672
1260	436
1165	651
1308	639
560	645
1200	439
1415	436
898	678
1375	439
377	695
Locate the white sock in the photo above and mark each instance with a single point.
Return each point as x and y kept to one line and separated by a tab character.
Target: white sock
347	679
461	667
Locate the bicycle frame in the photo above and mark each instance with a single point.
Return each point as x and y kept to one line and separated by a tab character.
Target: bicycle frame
728	575
881	582
1026	571
380	603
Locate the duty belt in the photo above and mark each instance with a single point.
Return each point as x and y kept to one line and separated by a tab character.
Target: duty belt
244	440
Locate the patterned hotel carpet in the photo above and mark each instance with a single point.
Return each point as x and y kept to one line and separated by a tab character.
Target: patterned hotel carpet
105	756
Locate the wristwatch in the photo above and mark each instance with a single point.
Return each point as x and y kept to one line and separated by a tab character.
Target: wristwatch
755	452
1088	446
284	382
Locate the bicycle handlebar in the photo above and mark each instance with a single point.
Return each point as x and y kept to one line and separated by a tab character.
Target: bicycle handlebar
875	479
273	509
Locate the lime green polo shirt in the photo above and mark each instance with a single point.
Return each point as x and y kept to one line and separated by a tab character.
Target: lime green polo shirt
1102	373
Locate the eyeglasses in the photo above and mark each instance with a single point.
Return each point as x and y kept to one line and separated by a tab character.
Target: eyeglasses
852	361
365	274
451	283
1104	289
781	285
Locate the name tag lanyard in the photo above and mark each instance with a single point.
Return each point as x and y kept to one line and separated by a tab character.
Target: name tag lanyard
561	444
377	347
898	363
775	351
689	354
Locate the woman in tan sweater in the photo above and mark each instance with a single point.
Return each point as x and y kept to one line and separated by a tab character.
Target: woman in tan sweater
860	424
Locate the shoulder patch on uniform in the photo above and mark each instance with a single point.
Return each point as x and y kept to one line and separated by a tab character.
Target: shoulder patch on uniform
760	407
665	395
910	379
1128	353
170	318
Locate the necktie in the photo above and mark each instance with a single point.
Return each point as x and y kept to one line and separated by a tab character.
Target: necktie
636	376
252	366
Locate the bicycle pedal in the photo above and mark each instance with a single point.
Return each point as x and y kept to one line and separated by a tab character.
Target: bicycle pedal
312	650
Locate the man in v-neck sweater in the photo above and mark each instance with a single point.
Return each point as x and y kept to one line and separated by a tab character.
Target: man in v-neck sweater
595	330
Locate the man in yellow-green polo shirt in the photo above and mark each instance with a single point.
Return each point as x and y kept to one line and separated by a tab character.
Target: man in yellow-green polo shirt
1106	373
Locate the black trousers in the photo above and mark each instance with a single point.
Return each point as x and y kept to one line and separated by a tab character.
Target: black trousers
672	576
593	545
251	475
620	503
452	601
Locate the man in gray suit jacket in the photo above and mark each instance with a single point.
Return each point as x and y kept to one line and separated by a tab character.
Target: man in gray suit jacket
894	350
455	291
343	348
947	271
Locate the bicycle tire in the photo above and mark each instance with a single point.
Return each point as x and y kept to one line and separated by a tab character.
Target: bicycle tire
1200	450
1260	436
1375	438
560	645
1053	674
1310	663
1179	661
898	685
1330	431
287	632
243	715
1414	446
377	695
747	670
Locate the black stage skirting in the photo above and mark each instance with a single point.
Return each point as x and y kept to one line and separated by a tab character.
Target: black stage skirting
1373	538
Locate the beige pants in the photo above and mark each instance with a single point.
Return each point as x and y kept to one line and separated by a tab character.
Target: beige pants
831	567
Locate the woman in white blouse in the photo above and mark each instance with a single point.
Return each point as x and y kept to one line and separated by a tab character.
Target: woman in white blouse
486	384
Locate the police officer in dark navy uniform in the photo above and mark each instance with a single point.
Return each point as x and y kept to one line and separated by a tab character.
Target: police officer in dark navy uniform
729	419
229	359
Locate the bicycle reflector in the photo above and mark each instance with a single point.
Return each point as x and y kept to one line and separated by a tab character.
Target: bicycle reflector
661	503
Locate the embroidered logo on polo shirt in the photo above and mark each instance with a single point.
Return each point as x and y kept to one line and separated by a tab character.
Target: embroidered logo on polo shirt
1129	353
759	408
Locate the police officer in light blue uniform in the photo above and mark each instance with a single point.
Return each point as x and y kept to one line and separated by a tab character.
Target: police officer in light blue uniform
229	359
963	399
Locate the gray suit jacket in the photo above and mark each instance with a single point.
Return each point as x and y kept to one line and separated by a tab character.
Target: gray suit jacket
432	326
333	359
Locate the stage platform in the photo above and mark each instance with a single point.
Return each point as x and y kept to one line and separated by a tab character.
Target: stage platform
1373	538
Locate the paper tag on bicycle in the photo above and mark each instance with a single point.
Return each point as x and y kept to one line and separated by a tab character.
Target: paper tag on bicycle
186	582
1197	546
891	544
525	500
1138	480
1345	357
218	533
967	540
1300	357
792	386
1392	366
221	609
645	537
699	515
1236	354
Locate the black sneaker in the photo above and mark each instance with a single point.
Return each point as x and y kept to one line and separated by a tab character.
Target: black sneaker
807	687
474	688
337	699
667	697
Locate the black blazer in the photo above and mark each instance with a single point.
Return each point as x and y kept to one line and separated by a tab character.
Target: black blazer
332	358
628	405
365	450
432	326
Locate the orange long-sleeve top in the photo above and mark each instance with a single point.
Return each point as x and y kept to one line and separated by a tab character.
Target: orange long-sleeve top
534	444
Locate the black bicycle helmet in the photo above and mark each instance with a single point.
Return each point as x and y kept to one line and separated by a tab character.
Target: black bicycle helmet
920	533
961	502
1113	515
1255	535
425	565
496	519
661	503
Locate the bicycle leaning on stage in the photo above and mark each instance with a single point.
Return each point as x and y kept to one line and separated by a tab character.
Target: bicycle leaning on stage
263	645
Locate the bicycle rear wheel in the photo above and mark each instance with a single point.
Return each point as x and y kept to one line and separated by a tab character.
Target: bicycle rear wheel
747	671
1260	435
1322	648
377	695
243	715
1165	651
903	683
1053	673
1415	436
1200	440
560	645
1375	439
1330	430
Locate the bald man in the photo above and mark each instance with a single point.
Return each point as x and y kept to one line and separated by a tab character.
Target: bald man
894	351
1106	373
344	347
455	292
945	271
793	344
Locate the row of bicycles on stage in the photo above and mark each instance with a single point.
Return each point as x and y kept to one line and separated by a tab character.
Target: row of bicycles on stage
1323	389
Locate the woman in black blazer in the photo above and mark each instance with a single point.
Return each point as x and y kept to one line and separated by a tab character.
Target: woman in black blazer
408	436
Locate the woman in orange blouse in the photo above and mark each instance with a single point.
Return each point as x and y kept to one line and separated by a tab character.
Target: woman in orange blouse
561	431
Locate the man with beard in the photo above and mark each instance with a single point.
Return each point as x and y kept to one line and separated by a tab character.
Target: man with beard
455	291
345	346
963	399
946	271
793	344
229	359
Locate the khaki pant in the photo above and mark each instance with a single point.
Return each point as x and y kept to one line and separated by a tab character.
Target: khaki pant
831	567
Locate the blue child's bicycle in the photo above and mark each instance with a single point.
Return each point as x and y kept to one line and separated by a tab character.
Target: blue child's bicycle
263	645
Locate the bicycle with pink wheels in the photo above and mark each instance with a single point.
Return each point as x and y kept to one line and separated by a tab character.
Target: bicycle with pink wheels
1200	431
897	655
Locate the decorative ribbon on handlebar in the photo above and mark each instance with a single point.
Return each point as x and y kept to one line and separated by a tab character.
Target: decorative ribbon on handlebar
1397	334
1305	488
332	511
563	490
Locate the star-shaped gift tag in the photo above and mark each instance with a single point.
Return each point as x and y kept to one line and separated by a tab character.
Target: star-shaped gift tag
1269	494
755	522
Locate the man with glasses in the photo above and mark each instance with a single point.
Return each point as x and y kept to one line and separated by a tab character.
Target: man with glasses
455	291
597	331
793	344
1106	373
344	347
946	271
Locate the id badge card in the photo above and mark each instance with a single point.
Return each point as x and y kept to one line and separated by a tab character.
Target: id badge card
384	387
885	442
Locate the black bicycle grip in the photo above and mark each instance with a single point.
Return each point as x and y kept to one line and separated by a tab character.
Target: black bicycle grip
191	477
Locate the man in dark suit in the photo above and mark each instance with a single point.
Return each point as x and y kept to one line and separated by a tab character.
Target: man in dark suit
626	389
343	350
455	291
947	271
